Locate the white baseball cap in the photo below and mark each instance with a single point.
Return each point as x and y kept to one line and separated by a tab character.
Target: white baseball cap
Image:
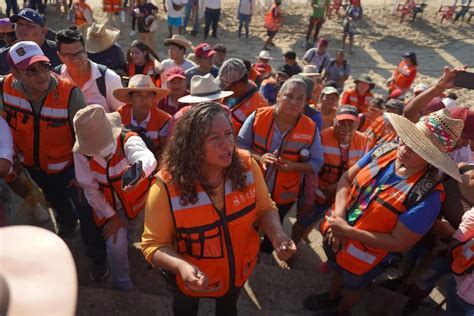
23	54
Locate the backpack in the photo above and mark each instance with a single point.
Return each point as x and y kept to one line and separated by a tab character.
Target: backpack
142	133
100	81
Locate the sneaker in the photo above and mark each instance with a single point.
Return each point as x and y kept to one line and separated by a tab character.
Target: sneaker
133	33
319	302
99	272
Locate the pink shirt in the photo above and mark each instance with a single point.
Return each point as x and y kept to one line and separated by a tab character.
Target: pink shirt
465	283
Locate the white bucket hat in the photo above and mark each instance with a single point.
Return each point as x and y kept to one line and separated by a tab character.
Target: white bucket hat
204	88
264	54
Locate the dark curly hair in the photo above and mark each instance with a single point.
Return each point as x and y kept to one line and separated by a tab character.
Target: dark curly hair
184	157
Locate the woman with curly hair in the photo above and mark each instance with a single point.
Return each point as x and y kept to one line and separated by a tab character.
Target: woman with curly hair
202	212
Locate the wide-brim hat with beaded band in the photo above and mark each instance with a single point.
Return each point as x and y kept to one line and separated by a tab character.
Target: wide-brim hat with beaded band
431	138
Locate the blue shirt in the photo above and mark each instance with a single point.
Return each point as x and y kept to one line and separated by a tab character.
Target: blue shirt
245	141
314	115
420	217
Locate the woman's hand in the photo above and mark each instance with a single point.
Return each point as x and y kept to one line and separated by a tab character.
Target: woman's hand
443	228
285	165
447	79
336	242
284	247
339	226
112	227
268	159
193	278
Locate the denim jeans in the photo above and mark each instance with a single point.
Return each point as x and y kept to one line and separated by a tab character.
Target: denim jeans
244	20
69	207
187	14
12	5
36	5
455	305
212	18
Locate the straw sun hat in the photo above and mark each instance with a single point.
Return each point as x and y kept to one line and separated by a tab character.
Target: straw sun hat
431	138
139	83
98	37
95	129
204	88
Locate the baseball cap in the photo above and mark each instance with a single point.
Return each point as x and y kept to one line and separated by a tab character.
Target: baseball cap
23	54
232	70
290	54
204	50
395	104
410	55
397	94
468	117
329	90
347	112
29	15
174	72
449	103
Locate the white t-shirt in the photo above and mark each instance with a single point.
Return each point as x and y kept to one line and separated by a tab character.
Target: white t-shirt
213	4
6	141
172	12
168	63
246	6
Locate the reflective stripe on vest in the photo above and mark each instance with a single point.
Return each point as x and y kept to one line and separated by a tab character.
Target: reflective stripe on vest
462	258
222	243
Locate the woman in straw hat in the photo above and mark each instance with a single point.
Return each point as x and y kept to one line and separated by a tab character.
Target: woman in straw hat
140	111
203	172
103	152
385	204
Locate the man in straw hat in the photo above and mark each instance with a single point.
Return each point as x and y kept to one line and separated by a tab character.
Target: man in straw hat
140	111
97	82
385	203
361	95
233	76
102	47
30	26
103	152
177	46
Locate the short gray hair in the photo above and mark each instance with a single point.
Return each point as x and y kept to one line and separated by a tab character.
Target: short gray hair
294	82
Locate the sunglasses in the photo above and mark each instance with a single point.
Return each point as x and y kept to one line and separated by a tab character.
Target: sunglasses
34	71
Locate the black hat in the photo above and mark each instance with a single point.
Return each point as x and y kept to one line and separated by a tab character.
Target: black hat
290	55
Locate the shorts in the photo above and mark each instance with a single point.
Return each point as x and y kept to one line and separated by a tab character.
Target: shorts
178	22
356	282
271	33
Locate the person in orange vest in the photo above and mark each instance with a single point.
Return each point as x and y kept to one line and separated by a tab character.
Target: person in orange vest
342	147
263	60
103	154
142	59
286	143
233	76
376	109
140	111
361	95
384	204
112	9
203	172
381	131
82	12
404	74
272	22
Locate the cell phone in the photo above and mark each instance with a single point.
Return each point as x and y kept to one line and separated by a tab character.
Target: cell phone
464	79
132	175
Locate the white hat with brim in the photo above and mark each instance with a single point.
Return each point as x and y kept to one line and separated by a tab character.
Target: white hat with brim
204	88
95	129
98	37
38	271
417	140
264	54
139	83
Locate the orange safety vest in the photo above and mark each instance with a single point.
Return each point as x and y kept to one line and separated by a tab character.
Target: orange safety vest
377	133
223	243
149	69
403	76
244	108
112	5
351	97
462	258
301	136
79	9
334	166
158	120
109	177
44	139
380	216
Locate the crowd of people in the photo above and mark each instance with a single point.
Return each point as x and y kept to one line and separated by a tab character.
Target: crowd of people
201	157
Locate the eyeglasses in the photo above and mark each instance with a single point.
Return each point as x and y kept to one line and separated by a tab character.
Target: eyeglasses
73	56
34	71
